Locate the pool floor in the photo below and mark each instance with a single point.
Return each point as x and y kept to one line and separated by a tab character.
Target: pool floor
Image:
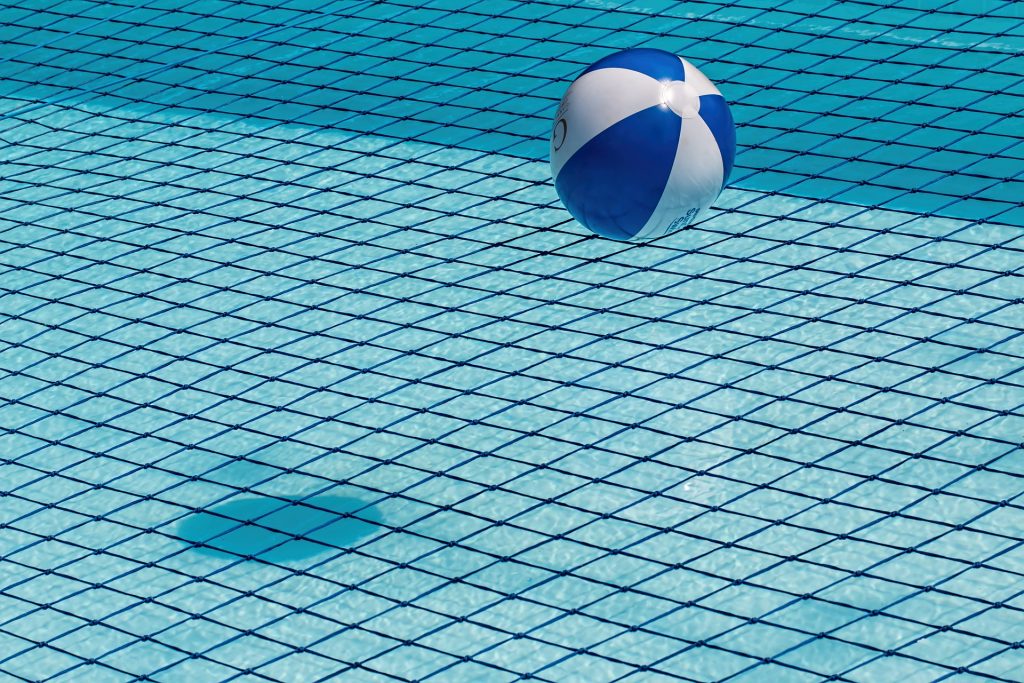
306	374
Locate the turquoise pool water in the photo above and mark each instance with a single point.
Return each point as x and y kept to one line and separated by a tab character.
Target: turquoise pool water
306	374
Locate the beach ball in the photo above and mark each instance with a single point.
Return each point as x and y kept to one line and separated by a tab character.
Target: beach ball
641	144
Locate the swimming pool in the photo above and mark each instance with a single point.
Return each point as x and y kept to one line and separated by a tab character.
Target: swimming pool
307	374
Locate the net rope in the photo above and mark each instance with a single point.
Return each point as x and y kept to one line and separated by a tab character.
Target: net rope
306	373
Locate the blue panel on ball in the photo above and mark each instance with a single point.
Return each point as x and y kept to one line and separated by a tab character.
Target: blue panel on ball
613	183
657	64
715	112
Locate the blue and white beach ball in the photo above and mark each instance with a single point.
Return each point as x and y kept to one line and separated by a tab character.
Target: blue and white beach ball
642	143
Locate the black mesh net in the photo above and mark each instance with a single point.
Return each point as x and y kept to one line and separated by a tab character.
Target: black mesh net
307	373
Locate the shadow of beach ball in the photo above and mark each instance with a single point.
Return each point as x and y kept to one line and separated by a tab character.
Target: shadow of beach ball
280	530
